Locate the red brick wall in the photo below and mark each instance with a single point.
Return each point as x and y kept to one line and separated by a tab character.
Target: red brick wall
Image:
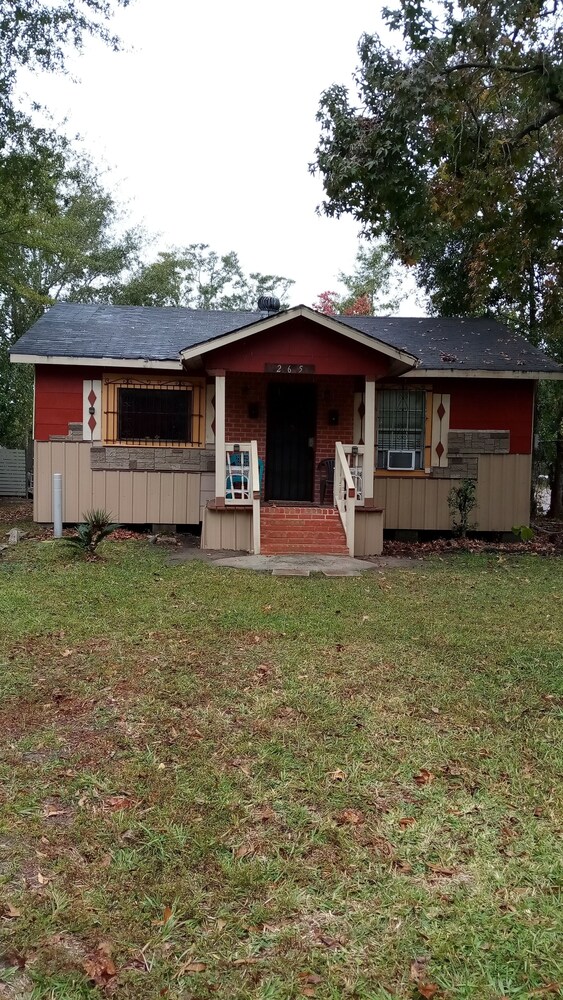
334	393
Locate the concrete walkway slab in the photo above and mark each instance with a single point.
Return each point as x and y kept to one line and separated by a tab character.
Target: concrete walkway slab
310	563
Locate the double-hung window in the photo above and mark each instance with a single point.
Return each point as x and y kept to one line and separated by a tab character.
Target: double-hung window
401	417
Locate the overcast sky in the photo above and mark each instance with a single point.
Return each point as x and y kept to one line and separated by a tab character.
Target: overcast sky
207	125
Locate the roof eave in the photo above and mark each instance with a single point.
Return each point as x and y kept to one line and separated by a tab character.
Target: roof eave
482	373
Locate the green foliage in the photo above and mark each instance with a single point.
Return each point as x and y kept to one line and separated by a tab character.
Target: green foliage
461	501
372	289
96	526
452	150
198	277
523	533
60	240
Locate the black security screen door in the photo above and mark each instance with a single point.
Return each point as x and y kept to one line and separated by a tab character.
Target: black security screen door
290	441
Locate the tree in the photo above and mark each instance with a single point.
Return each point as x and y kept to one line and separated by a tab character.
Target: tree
368	287
199	278
60	241
454	153
39	35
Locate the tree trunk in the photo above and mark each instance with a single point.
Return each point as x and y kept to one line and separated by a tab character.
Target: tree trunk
556	506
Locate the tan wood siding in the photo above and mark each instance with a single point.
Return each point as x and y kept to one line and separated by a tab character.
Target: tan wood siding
132	497
421	504
368	533
503	491
227	529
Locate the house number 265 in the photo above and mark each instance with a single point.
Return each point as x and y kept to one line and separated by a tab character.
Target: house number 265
283	368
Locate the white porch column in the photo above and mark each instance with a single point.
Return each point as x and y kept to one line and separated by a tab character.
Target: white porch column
220	439
369	440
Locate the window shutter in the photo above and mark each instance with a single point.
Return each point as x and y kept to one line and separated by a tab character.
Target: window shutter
92	409
440	429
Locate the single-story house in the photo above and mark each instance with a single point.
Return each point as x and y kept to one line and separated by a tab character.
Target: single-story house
287	431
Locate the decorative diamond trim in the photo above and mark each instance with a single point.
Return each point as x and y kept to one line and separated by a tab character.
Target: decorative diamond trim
439	449
441	411
92	423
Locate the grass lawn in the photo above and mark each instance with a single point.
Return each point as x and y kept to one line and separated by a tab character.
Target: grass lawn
220	784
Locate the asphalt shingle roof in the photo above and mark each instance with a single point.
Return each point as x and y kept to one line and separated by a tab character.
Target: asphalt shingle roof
159	334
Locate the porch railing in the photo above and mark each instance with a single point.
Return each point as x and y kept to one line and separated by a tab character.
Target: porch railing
242	482
345	493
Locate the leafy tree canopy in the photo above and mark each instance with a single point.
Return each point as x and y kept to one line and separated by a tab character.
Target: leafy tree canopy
200	278
39	35
371	288
453	150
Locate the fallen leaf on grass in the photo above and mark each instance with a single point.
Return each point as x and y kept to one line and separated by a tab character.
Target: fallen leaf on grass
548	988
418	968
424	777
53	811
338	775
243	851
42	879
165	917
406	821
265	814
352	817
310	978
441	870
192	967
245	961
114	803
10	911
427	990
101	967
402	866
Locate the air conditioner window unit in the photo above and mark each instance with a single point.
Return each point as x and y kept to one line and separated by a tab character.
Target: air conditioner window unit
401	459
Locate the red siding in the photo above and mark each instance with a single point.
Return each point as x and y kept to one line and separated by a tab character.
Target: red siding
58	398
493	405
300	342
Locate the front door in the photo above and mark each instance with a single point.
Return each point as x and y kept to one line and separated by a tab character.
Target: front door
290	441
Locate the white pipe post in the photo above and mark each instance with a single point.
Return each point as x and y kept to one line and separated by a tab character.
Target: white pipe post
57	505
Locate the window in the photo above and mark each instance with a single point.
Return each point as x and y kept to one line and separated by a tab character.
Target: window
401	416
153	411
154	415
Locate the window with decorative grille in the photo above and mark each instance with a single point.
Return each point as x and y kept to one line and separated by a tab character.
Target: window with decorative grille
401	416
155	412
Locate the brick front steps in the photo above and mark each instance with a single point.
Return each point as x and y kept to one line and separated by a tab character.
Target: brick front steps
285	530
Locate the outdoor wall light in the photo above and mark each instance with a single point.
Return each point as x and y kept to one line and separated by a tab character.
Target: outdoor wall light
333	418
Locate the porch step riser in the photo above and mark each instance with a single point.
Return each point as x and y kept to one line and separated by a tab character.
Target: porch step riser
302	530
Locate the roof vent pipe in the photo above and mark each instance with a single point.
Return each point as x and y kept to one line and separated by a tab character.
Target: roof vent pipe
269	304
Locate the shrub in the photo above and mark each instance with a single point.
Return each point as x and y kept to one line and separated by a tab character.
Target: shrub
461	501
96	526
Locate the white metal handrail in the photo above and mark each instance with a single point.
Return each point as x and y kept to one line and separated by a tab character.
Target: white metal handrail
345	494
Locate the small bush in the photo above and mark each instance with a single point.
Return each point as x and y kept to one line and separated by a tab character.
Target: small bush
96	526
461	501
523	533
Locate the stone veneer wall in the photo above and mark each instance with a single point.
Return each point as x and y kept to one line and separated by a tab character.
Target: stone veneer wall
152	459
464	448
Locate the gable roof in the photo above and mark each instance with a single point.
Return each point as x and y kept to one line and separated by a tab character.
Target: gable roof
146	335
